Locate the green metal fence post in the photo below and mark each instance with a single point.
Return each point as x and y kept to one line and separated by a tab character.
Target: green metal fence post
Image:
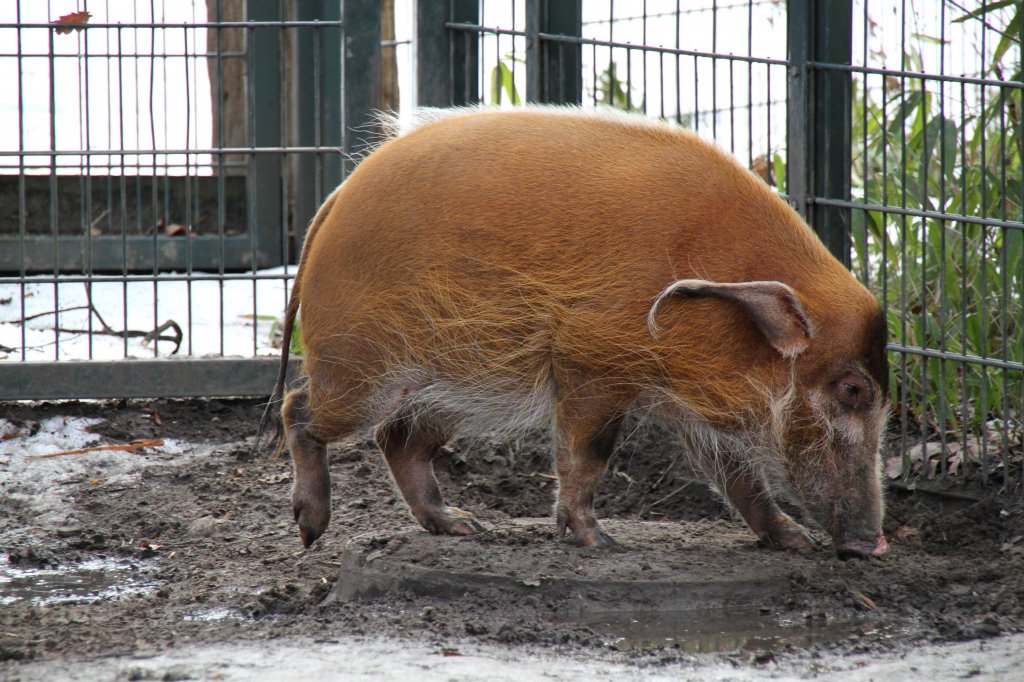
360	78
818	159
265	99
447	61
315	115
554	72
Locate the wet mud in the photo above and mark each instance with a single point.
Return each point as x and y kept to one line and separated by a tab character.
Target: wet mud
200	548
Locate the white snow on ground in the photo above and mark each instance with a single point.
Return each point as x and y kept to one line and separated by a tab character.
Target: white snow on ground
232	317
41	483
358	659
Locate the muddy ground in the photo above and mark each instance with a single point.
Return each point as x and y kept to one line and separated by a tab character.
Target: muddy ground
207	546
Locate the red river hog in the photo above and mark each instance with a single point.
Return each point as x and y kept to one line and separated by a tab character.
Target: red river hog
498	270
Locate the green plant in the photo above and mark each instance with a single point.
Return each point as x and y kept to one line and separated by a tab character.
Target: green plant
614	92
503	81
949	285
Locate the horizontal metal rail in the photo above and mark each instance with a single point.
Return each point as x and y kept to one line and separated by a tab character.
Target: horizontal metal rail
574	40
160	152
141	278
957	357
130	378
919	213
657	49
134	252
918	75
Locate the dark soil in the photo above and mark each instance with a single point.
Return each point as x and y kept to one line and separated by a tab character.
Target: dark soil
215	536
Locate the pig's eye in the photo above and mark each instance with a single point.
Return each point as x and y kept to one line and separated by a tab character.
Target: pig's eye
852	390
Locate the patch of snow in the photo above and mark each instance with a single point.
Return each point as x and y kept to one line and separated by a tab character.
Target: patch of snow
42	483
229	317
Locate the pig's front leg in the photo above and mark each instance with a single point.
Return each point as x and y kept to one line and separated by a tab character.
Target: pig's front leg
748	493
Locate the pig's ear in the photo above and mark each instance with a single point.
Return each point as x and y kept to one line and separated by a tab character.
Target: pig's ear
773	306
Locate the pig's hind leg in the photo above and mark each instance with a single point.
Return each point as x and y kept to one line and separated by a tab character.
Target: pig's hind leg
410	445
311	487
584	442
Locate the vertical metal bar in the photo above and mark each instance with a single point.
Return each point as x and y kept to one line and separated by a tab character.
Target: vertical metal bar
798	145
942	408
22	208
304	114
714	69
534	60
264	182
447	65
553	75
819	116
360	78
54	199
750	92
190	225
562	63
925	408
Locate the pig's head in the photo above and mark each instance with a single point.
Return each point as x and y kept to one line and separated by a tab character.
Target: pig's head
835	430
824	436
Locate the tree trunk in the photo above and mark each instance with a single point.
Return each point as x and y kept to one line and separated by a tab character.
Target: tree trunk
228	97
388	57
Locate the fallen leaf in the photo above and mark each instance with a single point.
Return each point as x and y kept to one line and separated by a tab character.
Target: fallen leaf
861	599
902	533
894	467
95	481
154	415
6	301
9	435
448	651
75	21
763	168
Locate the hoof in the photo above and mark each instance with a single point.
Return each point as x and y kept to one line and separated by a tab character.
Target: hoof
597	539
787	534
451	521
587	537
311	525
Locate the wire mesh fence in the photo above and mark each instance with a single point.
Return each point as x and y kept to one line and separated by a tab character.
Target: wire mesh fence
937	231
159	162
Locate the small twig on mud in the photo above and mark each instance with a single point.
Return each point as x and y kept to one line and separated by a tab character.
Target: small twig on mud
664	474
134	445
666	498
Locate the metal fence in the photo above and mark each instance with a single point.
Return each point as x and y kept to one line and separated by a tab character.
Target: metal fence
894	129
159	162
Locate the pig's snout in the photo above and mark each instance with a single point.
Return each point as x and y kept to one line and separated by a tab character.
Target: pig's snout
851	548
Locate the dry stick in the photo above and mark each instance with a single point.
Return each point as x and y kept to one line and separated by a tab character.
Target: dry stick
134	445
666	498
147	337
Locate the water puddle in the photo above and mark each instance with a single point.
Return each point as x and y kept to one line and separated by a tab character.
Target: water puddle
215	615
85	581
707	631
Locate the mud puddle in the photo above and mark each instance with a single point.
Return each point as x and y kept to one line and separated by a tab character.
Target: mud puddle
81	582
721	630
